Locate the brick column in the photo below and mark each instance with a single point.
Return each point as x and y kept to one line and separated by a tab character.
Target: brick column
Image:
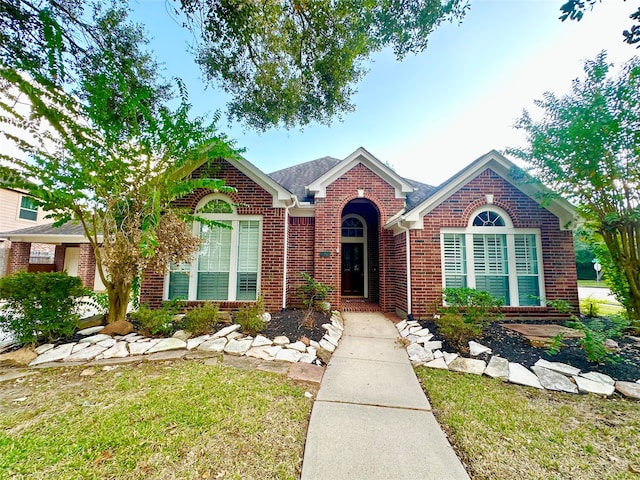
19	257
58	258
87	265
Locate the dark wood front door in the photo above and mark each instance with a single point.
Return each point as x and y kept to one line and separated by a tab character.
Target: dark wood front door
353	269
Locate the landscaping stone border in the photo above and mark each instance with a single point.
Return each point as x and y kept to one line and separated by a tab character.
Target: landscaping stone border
554	376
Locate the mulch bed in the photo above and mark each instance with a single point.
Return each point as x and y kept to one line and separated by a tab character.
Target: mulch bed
515	348
287	323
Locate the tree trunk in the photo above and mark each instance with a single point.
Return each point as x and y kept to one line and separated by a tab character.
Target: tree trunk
119	293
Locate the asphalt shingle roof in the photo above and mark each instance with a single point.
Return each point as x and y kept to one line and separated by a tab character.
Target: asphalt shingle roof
299	176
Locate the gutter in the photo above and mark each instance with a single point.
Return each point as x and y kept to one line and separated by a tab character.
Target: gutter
286	252
408	254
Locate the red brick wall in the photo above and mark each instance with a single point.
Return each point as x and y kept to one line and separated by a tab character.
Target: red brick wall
87	265
301	237
19	259
557	246
252	200
328	214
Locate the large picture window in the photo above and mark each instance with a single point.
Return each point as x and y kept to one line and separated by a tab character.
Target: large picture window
227	264
492	256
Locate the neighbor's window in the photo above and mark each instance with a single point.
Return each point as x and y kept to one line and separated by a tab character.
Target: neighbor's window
28	209
227	264
492	256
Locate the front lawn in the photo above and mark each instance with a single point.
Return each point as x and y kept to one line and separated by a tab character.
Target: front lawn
180	419
504	431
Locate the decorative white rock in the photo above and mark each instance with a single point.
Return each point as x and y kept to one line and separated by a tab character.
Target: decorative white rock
468	365
107	342
401	325
307	358
476	349
90	330
449	357
498	368
266	317
118	350
438	363
562	368
181	335
261	341
86	354
521	375
589	386
214	345
259	352
79	346
237	347
167	344
53	355
197	341
598	377
288	355
235	336
419	355
327	346
554	381
436	345
424	338
44	348
96	338
281	340
298	346
629	389
226	331
332	340
273	351
139	348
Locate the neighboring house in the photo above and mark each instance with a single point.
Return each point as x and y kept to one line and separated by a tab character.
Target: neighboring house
18	210
379	240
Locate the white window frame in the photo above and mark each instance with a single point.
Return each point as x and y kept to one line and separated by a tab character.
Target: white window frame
21	209
510	232
235	220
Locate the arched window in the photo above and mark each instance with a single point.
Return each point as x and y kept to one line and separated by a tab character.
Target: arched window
493	256
352	227
227	266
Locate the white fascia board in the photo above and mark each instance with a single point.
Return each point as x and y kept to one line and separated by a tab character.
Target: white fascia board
281	196
502	166
319	186
51	239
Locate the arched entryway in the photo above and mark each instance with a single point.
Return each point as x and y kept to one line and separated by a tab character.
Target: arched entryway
360	251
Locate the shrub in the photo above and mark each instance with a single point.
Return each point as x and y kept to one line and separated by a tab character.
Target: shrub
155	322
310	293
202	319
40	305
249	317
467	314
596	332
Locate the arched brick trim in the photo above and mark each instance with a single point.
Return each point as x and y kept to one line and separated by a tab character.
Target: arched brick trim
482	202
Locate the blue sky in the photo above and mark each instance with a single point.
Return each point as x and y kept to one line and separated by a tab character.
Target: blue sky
431	114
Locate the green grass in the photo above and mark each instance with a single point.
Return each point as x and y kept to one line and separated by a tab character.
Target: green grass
593	283
504	431
175	420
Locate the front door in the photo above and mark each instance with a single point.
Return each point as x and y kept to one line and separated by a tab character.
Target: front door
353	269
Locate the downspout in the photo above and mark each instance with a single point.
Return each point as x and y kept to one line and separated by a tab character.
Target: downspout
286	254
408	252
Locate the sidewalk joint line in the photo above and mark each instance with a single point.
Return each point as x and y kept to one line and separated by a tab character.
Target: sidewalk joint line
343	402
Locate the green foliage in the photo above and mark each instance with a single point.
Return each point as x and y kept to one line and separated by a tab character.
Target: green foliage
467	314
108	150
309	293
156	322
39	305
585	147
202	319
249	317
293	63
575	9
596	332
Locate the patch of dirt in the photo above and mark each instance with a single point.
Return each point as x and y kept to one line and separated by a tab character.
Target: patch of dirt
287	323
514	347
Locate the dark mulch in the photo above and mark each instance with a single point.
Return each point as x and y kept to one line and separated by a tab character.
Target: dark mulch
515	348
287	323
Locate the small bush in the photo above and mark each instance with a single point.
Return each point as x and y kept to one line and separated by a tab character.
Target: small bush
467	314
249	317
40	305
590	306
202	319
310	293
155	322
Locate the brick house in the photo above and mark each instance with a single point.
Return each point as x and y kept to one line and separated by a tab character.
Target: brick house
379	240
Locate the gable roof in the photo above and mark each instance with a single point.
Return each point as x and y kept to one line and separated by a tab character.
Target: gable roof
499	164
318	187
296	178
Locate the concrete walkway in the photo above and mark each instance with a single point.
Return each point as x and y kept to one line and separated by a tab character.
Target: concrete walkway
371	418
